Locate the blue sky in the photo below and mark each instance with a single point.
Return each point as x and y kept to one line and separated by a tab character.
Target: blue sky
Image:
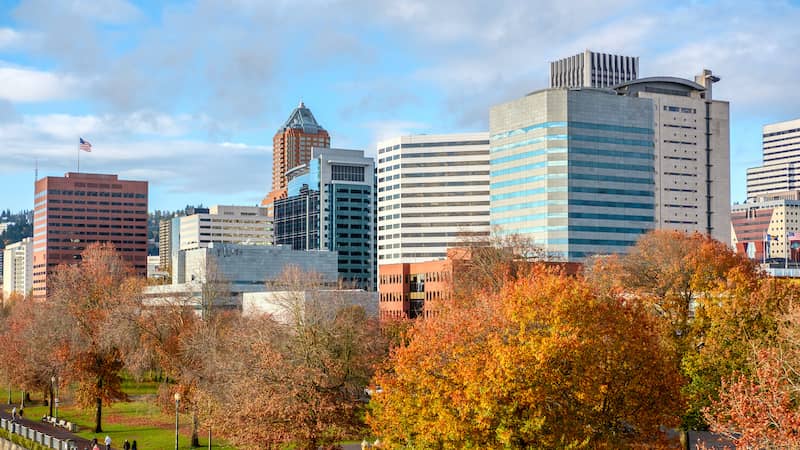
188	94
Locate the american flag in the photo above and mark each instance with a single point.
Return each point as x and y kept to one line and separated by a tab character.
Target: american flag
85	145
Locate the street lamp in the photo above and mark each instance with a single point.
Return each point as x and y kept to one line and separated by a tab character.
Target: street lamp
55	404
177	402
52	383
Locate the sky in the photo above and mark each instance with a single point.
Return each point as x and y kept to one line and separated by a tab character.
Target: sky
188	94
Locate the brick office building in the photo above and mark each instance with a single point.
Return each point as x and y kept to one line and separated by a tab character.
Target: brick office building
291	147
78	209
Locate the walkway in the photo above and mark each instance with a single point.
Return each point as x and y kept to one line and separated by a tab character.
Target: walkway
46	428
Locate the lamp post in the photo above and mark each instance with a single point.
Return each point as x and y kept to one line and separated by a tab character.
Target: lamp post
52	383
177	402
55	404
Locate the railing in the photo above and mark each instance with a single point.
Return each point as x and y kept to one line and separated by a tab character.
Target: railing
37	436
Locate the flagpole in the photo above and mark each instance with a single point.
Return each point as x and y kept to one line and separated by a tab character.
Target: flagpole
79	158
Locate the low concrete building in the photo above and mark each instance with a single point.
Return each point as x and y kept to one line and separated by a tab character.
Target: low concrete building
251	264
282	305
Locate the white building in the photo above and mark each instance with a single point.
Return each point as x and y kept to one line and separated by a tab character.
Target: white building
781	169
18	268
433	191
593	69
226	225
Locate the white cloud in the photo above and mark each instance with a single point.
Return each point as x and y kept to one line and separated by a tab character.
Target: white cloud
19	84
9	38
384	129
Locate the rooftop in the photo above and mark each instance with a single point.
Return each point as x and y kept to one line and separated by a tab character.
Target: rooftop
302	119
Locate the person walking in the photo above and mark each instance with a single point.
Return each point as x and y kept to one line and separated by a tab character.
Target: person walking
133	445
108	442
14	414
126	445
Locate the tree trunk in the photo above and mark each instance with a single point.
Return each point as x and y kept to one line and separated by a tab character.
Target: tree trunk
195	425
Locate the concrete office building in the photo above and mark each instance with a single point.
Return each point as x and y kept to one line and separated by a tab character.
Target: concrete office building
281	305
433	193
331	206
593	69
224	224
781	169
291	147
17	260
692	153
573	170
250	264
76	210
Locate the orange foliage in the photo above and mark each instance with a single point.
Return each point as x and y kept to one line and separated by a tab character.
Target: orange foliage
546	363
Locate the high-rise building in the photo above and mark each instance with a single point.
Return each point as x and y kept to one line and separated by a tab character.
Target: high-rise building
331	206
572	169
781	169
291	147
17	260
593	69
433	194
165	245
78	209
692	153
223	224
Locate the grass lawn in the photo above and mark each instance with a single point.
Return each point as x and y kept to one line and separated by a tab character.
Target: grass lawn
141	420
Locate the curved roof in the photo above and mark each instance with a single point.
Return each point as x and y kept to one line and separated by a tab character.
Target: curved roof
301	118
675	81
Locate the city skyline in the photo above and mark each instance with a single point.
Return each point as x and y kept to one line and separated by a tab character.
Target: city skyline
187	96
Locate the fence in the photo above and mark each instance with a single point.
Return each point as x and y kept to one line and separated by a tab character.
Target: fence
37	436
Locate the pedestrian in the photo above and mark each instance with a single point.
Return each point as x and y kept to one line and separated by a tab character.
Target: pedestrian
133	445
126	445
108	442
94	444
14	414
21	411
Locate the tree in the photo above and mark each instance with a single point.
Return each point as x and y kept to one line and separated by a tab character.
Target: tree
92	297
485	263
759	411
546	363
296	376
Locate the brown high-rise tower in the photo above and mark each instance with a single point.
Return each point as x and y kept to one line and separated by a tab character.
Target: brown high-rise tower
291	147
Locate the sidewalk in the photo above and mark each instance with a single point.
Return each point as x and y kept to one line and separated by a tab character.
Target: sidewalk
38	425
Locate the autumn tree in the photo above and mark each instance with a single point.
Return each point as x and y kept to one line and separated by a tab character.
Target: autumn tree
298	375
91	297
485	263
546	363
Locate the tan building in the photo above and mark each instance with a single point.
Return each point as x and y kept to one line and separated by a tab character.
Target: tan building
17	263
225	225
767	227
692	153
291	147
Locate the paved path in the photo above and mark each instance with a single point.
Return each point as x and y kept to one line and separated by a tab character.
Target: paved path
38	425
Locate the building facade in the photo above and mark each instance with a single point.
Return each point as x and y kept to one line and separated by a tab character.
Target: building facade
781	169
165	244
78	209
411	290
433	194
331	206
692	153
297	219
291	147
767	229
572	169
593	69
251	264
17	260
224	224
